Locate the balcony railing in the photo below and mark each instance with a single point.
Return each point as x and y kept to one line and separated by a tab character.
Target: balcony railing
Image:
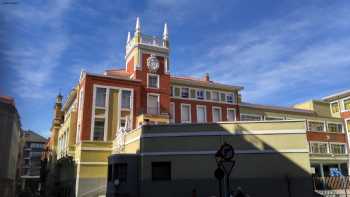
151	40
146	40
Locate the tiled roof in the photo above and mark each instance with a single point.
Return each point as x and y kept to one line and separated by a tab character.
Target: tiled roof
31	136
117	73
203	82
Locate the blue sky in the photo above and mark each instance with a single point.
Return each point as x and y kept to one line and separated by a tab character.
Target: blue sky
282	52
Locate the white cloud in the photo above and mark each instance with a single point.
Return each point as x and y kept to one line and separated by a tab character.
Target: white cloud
279	56
34	56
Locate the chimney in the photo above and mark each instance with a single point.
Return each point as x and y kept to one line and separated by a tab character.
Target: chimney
206	77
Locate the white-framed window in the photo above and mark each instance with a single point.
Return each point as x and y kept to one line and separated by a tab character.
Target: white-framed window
315	126
166	64
335	107
346	103
347	125
338	148
100	99
99	129
153	104
216	111
172	112
185	113
215	96
177	91
200	94
185	92
229	98
126	99
335	127
208	95
222	97
201	113
319	147
273	118
99	123
153	80
104	97
231	114
250	117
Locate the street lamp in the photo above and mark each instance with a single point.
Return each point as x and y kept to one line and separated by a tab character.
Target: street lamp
224	158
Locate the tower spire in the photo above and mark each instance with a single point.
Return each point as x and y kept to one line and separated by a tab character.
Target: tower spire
129	37
165	32
138	25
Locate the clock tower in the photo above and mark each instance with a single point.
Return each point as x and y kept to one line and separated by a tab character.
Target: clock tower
147	60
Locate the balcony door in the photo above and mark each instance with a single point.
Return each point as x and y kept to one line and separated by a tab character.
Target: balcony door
153	104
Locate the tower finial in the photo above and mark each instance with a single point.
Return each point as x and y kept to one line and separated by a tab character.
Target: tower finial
129	37
138	25
165	32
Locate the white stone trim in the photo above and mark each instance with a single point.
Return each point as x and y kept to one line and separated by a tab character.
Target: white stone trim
95	149
158	80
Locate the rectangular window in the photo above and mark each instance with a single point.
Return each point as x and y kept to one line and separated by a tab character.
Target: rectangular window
273	118
223	97
229	98
172	112
120	172
335	107
126	99
200	94
201	114
216	114
99	129
184	92
161	171
171	90
215	96
338	149
153	81
193	93
347	104
231	114
176	91
153	104
208	95
185	113
348	125
335	127
315	126
100	97
318	148
250	117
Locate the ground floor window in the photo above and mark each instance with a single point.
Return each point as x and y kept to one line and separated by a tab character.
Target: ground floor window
161	171
99	128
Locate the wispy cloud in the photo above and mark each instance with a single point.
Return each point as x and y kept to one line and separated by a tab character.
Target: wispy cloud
281	56
34	54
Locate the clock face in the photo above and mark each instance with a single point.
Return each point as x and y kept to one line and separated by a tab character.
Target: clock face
153	63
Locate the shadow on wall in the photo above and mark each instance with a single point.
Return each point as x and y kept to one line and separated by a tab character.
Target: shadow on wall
266	165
